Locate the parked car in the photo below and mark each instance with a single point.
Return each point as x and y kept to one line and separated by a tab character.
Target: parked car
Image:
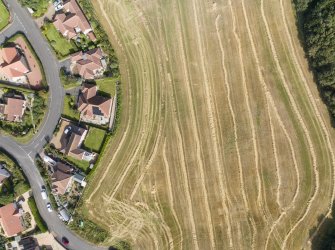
65	241
67	130
49	207
44	193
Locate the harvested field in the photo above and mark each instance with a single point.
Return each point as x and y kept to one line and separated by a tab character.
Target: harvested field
224	142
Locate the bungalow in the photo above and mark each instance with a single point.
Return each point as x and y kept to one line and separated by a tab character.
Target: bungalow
71	21
69	139
13	110
10	220
94	108
89	65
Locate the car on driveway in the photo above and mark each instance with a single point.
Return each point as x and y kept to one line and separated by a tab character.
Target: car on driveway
49	207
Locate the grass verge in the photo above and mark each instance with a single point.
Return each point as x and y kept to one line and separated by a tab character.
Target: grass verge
4	15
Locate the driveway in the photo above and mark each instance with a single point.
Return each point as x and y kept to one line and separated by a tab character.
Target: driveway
25	153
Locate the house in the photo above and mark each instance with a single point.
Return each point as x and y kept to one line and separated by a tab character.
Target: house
71	21
4	174
18	64
13	65
61	178
10	219
94	108
88	65
26	243
13	110
69	139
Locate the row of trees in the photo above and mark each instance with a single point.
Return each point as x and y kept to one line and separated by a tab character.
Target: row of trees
317	20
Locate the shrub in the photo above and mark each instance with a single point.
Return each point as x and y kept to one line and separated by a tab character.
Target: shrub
39	220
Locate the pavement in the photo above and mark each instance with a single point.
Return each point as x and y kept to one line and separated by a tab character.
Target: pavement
25	153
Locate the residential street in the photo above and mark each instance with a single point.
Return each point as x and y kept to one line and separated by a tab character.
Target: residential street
24	154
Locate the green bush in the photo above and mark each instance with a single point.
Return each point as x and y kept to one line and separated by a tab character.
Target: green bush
16	184
88	229
38	6
68	81
39	221
318	32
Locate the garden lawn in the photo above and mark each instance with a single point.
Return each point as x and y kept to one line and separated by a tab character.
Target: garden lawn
107	85
61	45
83	165
94	139
4	15
68	110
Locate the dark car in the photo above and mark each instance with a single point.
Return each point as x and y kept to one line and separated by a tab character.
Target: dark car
65	241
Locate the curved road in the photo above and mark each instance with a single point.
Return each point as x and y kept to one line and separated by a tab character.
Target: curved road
25	154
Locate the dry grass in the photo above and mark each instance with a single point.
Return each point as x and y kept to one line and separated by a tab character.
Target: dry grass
223	142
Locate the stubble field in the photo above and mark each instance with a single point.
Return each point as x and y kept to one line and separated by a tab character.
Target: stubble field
224	142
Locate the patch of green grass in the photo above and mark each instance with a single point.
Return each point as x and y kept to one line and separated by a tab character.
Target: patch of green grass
69	111
83	165
94	139
4	15
107	85
39	220
60	44
68	81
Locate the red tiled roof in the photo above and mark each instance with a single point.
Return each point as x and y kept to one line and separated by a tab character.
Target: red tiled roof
87	63
70	19
13	64
90	103
9	54
73	144
10	220
16	65
14	109
60	180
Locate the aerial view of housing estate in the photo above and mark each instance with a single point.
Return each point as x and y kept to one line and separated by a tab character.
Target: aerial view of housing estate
58	97
167	124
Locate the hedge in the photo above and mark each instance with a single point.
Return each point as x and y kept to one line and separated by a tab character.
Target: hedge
38	219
